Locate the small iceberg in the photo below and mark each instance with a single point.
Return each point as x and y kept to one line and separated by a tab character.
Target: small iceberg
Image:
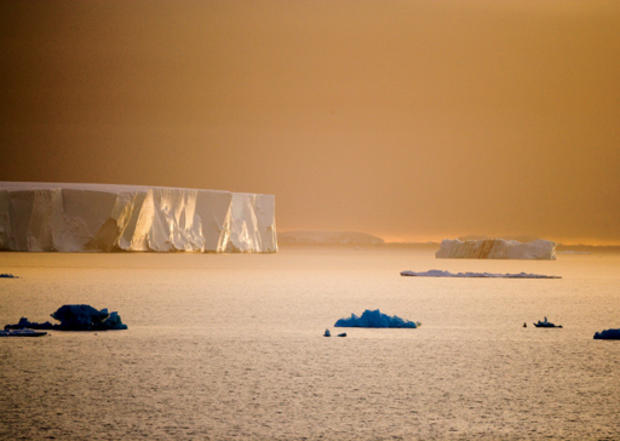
327	333
608	334
8	276
76	318
22	333
546	324
441	273
375	319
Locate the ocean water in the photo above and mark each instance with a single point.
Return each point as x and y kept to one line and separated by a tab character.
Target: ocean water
223	347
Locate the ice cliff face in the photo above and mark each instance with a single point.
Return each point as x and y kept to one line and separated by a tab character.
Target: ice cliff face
99	217
496	249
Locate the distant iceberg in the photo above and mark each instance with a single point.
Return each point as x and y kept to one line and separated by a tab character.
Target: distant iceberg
608	334
496	249
375	319
440	273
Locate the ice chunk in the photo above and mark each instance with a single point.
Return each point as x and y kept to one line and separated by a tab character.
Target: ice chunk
25	323
37	216
375	319
608	334
496	249
76	318
440	273
8	276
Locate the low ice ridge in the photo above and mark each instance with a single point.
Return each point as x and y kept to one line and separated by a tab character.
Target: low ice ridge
442	273
375	319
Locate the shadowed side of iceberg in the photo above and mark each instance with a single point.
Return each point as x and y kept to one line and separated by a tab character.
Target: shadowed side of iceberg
375	319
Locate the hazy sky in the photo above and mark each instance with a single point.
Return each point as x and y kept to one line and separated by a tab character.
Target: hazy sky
408	119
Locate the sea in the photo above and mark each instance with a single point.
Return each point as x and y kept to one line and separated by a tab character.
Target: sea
231	347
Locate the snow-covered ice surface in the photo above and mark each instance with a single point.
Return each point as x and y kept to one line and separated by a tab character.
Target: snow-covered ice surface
441	273
40	216
496	249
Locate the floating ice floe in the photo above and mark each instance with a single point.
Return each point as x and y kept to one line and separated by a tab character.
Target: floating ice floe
22	333
441	273
375	319
608	334
76	318
496	249
8	276
44	216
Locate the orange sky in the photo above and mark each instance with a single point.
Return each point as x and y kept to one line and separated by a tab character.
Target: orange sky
412	120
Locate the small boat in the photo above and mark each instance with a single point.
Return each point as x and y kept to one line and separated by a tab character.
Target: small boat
22	333
546	324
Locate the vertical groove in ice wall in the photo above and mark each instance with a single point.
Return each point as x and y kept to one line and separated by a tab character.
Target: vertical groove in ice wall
97	217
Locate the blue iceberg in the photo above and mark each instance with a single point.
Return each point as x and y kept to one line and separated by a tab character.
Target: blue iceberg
76	318
375	319
608	334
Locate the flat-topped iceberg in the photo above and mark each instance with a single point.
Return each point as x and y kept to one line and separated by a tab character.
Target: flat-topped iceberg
375	319
496	249
39	216
441	273
608	334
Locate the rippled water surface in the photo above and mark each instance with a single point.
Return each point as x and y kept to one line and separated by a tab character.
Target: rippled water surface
230	347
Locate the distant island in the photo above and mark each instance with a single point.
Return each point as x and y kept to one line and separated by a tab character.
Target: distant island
329	238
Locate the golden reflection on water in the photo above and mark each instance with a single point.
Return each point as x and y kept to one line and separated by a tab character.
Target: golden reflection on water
231	346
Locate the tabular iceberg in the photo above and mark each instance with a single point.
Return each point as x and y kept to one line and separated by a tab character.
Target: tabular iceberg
496	249
37	216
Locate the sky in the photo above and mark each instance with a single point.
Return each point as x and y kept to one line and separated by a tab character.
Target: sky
412	120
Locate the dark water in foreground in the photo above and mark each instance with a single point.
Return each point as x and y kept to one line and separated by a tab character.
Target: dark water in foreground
229	347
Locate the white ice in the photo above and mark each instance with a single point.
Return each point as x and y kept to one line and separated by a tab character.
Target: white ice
37	216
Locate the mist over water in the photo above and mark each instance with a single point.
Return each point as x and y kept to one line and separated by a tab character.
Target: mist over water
231	347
